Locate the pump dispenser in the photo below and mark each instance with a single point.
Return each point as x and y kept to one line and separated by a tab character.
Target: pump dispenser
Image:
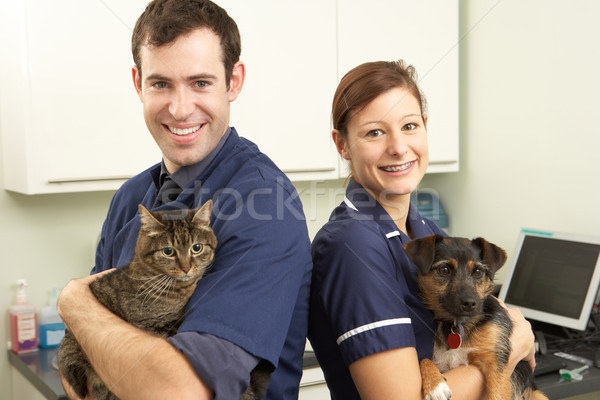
23	324
52	329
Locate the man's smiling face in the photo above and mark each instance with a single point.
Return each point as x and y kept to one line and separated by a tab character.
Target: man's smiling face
185	96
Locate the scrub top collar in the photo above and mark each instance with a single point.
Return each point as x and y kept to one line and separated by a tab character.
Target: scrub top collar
185	175
365	206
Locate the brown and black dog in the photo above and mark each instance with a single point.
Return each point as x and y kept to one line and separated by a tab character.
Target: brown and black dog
455	278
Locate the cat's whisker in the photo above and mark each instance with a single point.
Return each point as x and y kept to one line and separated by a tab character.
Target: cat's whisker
154	287
165	286
150	282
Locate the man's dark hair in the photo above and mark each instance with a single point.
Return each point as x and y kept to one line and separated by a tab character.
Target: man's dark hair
164	21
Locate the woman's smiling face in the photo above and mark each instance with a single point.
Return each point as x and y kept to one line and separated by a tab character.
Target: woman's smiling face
386	145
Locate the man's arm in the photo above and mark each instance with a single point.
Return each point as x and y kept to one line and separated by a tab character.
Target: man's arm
131	362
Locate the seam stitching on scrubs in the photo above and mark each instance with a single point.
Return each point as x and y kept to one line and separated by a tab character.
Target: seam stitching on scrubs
371	326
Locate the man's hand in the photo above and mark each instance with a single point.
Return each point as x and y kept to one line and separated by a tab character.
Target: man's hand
75	292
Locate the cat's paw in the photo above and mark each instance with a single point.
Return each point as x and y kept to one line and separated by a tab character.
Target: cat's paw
440	392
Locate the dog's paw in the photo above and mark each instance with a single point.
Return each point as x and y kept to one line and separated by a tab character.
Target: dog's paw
440	392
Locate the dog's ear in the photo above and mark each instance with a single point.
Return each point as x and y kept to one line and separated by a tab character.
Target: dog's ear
422	251
493	256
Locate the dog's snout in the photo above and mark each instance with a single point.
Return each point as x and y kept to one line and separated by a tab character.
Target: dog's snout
468	305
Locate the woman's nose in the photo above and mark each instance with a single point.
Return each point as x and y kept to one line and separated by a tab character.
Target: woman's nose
397	144
182	104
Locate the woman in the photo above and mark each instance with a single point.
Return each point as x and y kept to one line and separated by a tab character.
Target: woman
368	327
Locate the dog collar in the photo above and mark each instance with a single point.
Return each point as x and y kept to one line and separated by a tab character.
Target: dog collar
455	339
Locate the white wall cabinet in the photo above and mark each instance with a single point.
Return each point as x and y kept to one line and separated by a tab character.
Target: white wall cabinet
69	114
289	48
425	34
70	119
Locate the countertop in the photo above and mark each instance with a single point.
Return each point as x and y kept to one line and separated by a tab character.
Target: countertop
37	367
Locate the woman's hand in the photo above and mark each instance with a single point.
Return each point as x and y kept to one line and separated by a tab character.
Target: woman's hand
522	339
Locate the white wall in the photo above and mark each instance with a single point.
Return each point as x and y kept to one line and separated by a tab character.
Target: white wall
529	146
530	138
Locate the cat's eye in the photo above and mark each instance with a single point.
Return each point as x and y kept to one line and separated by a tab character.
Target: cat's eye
196	248
168	251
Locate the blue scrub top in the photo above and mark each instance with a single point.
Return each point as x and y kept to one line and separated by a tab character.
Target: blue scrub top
256	293
364	295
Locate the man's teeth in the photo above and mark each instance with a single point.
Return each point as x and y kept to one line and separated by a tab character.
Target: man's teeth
400	168
185	131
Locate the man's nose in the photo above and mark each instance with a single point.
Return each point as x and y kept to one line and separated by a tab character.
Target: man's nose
182	104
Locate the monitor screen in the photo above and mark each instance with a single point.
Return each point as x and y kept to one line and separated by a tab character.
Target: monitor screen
553	277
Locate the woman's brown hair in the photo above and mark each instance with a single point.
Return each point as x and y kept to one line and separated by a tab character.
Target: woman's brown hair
364	83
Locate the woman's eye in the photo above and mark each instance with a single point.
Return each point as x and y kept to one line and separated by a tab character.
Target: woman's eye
374	133
197	248
409	127
168	251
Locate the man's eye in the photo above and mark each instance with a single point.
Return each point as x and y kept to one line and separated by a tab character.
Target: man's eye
201	84
159	85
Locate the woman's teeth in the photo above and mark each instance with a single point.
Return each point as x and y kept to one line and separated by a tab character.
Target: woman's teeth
398	168
186	131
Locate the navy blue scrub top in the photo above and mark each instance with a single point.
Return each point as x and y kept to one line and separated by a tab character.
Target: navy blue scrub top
364	295
256	292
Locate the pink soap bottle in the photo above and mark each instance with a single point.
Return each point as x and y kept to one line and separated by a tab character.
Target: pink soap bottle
23	322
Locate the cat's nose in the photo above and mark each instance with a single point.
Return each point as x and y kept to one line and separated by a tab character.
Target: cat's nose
185	269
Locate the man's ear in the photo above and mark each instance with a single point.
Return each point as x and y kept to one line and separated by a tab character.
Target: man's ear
340	144
137	80
238	74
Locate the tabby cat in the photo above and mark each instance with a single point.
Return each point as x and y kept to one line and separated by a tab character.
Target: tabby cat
173	250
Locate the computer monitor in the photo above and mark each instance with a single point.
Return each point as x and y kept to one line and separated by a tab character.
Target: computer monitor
553	277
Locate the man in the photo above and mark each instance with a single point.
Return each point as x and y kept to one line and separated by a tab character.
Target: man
253	304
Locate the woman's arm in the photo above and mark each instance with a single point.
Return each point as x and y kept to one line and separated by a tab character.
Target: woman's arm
395	374
131	362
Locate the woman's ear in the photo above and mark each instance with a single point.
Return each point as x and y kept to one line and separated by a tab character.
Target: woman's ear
425	118
340	144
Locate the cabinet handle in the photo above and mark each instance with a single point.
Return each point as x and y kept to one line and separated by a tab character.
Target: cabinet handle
89	179
307	170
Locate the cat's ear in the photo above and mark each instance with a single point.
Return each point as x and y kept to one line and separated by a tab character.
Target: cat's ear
148	220
202	216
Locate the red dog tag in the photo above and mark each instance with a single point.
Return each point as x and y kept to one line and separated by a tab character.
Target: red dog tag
455	339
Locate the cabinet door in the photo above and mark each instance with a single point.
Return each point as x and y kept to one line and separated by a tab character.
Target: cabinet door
423	33
289	49
71	120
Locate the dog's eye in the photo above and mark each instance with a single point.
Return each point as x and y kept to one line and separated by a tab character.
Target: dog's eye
477	273
443	271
